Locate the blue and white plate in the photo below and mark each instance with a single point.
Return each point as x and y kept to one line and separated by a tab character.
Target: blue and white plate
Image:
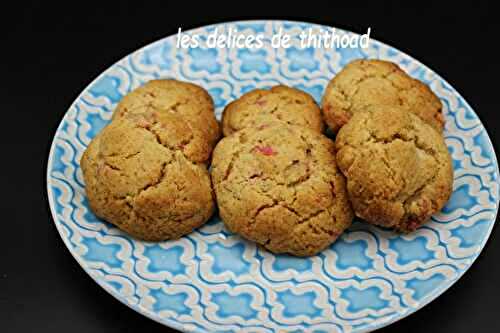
212	280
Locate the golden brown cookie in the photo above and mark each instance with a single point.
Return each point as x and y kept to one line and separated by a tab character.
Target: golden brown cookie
398	169
182	98
279	104
376	82
279	186
144	173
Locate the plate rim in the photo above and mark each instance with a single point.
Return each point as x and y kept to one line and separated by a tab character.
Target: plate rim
377	324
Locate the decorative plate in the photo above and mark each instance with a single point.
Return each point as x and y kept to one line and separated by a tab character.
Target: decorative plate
212	280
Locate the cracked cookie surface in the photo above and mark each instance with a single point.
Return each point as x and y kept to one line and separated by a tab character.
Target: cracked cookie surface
398	169
182	98
145	173
279	186
279	104
376	82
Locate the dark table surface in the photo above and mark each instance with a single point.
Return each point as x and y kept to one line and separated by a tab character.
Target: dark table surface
51	52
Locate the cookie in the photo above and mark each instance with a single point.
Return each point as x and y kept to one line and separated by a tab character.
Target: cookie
144	173
279	104
279	186
376	82
398	169
182	98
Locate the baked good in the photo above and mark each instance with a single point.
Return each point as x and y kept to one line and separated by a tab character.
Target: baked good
376	82
278	104
398	169
145	173
186	99
279	186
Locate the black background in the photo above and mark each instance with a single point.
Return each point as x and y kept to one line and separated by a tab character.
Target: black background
53	51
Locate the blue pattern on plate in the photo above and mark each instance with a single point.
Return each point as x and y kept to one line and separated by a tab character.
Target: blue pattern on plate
299	304
369	298
212	280
238	306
